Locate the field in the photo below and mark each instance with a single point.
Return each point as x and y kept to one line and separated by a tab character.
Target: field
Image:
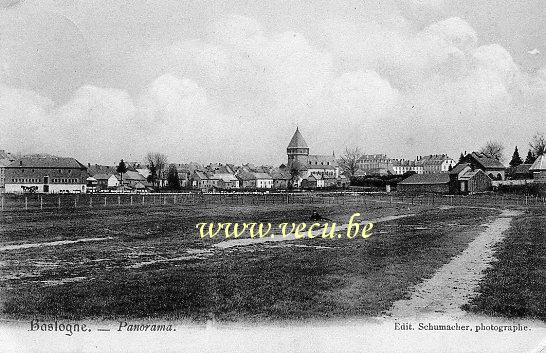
148	261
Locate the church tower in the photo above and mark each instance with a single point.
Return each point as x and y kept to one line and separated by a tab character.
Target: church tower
297	150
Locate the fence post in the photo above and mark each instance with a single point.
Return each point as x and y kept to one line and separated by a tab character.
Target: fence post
131	200
119	200
59	202
75	201
26	202
2	203
41	202
143	199
90	201
104	200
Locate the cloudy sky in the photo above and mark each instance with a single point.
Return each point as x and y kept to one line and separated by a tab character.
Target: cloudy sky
228	81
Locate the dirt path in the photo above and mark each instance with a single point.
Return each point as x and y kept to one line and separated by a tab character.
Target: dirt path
455	282
52	243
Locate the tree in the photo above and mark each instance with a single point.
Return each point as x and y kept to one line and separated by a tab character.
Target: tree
516	159
172	178
121	169
294	171
349	161
538	145
158	161
493	149
461	157
530	159
153	174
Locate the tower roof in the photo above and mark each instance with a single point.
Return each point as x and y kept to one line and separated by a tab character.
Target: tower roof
297	140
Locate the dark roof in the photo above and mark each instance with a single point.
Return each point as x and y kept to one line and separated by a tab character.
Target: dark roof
297	140
278	174
426	179
487	162
46	162
522	169
459	168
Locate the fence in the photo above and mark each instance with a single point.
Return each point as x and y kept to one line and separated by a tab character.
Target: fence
9	202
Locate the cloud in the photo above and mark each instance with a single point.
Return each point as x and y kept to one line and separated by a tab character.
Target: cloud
23	114
96	85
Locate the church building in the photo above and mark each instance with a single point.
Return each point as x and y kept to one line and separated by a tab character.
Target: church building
323	166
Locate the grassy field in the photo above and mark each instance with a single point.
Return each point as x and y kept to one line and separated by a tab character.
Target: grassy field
515	285
154	265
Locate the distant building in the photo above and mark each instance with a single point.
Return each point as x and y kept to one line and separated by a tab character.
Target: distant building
45	174
375	164
435	163
251	180
403	166
466	180
313	182
309	164
281	178
425	183
492	167
226	181
520	172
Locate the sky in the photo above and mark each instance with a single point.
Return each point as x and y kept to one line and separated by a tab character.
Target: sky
229	81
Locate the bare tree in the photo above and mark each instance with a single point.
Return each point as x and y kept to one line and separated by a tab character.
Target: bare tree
156	162
538	144
493	149
349	161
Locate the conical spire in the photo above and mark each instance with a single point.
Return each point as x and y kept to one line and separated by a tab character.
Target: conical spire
297	140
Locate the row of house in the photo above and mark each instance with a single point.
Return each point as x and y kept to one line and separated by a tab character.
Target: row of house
436	173
474	173
380	164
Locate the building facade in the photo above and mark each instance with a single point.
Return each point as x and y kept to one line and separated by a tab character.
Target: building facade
45	174
309	164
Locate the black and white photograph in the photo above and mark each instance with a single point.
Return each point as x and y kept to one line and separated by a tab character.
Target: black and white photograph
273	176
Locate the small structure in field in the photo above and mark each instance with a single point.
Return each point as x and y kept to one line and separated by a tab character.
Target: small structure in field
425	183
464	179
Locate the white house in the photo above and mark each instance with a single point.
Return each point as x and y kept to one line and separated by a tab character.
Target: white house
45	174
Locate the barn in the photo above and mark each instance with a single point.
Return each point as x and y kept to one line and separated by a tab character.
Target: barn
425	183
464	179
46	174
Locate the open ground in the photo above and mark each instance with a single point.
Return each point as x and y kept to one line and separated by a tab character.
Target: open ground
148	261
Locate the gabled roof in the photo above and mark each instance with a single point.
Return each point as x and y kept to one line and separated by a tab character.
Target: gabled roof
225	177
487	162
130	175
426	179
262	176
297	140
521	169
46	162
540	164
103	176
459	168
278	174
470	174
